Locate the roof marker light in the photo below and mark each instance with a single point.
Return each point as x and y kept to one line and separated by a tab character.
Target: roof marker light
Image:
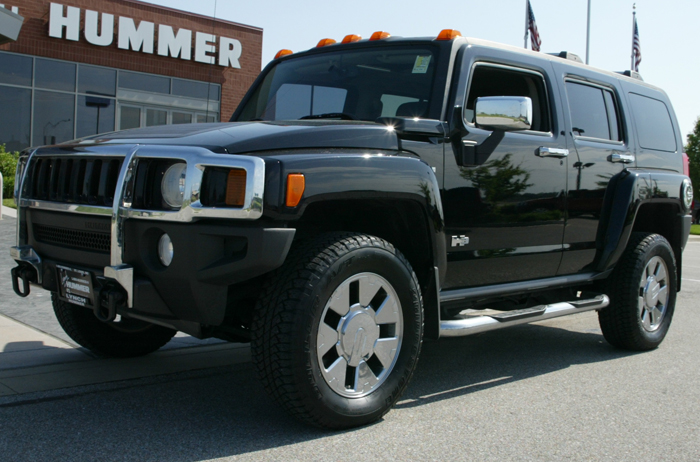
324	42
284	52
380	35
448	34
351	38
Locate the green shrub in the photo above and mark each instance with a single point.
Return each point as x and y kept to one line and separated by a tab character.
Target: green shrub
8	165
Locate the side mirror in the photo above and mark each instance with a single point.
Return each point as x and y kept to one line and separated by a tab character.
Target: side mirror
507	113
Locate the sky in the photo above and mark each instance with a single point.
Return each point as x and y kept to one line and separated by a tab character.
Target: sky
668	30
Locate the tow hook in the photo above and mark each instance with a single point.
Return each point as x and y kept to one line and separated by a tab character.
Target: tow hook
27	274
110	299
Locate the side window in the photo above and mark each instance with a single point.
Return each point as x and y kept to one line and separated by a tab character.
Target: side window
294	101
593	112
654	126
497	81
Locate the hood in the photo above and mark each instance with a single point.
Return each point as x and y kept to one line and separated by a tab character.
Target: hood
249	137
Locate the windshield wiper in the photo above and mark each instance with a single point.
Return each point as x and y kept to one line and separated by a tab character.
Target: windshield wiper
329	115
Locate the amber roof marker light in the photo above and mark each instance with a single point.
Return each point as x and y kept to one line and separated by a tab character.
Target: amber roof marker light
380	35
295	189
351	38
325	42
283	52
448	34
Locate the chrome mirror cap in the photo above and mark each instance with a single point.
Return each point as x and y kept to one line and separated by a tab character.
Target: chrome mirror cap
508	113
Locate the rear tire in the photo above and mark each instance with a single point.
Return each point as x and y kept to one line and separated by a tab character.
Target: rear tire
642	291
337	330
123	339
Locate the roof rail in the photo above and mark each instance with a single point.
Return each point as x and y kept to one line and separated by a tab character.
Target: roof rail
567	55
633	74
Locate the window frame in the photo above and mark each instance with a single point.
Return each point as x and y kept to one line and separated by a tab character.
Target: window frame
621	128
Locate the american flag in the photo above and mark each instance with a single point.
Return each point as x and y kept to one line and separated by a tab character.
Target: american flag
636	48
535	40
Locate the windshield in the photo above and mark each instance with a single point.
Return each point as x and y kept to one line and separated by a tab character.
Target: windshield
360	84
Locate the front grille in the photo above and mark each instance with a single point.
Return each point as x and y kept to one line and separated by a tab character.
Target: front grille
73	180
85	240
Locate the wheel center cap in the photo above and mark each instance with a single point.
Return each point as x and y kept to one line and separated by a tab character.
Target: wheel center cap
358	334
651	292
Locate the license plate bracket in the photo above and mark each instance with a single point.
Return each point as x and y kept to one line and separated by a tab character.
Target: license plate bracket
76	285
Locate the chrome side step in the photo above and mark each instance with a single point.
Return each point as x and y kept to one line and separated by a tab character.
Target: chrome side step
485	323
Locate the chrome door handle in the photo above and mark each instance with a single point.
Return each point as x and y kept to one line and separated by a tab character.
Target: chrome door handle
552	152
621	158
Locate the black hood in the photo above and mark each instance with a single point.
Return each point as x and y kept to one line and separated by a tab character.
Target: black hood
247	137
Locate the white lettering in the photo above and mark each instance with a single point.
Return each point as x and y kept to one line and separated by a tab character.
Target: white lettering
71	21
204	43
138	39
104	38
174	45
80	287
229	52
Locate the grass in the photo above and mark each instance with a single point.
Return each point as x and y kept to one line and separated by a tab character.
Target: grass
11	203
695	229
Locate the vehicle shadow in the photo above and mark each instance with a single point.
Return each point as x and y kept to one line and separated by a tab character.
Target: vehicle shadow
224	412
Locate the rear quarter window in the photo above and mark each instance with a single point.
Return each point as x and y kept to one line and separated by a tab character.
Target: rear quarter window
653	122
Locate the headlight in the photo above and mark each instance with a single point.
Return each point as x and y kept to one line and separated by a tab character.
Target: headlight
173	185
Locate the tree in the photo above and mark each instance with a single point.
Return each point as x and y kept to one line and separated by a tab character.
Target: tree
693	151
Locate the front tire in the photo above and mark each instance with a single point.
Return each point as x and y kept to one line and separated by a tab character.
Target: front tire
642	291
338	329
126	338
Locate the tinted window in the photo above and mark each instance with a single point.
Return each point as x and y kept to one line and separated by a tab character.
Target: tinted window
494	81
294	101
144	82
97	81
14	124
156	117
654	126
53	117
95	115
613	119
214	92
130	117
15	69
589	114
182	117
54	75
190	89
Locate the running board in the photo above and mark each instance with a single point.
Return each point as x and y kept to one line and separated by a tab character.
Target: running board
485	323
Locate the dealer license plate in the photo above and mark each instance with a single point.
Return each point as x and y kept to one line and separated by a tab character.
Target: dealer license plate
76	285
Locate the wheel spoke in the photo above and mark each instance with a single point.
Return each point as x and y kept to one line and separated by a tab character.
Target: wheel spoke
646	319
640	305
369	286
385	350
660	272
335	375
327	338
388	312
663	295
655	314
365	379
340	300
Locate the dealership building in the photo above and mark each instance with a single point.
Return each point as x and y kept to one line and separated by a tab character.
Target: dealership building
82	67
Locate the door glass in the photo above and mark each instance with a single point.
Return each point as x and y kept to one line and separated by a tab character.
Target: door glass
130	117
589	116
156	117
182	117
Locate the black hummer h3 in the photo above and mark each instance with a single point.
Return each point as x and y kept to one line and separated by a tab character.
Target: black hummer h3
366	195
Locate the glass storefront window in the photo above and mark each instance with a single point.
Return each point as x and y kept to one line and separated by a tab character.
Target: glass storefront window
203	118
156	117
15	69
54	75
129	117
182	117
15	123
53	117
95	115
97	80
190	89
144	82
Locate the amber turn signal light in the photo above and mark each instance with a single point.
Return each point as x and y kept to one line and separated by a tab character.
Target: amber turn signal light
295	189
351	38
235	187
379	35
284	52
448	34
324	42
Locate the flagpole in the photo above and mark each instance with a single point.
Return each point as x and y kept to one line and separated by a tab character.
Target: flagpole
634	21
588	31
527	13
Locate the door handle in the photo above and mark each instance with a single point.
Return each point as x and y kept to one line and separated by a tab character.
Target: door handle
544	151
621	158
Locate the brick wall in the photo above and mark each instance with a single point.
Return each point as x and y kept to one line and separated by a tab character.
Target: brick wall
34	40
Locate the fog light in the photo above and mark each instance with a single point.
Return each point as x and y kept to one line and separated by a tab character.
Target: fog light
165	250
173	185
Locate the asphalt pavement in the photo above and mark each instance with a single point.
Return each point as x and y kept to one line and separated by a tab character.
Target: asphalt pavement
552	390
